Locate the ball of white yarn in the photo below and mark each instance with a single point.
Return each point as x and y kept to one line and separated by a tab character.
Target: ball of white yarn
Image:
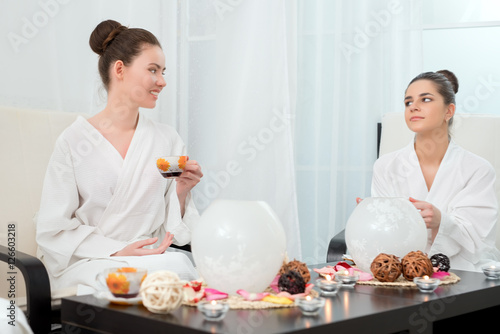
162	292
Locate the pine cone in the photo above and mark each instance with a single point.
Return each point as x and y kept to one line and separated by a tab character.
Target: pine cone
297	266
292	282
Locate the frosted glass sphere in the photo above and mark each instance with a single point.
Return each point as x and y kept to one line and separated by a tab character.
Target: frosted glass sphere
238	245
384	225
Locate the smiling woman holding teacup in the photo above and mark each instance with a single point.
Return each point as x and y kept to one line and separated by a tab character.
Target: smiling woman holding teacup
453	189
104	203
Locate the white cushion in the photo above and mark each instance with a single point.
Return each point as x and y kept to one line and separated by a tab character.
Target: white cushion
27	140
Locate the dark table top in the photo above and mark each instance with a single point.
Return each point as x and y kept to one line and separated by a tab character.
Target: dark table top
362	308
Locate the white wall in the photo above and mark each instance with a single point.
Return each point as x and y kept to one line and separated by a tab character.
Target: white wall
464	37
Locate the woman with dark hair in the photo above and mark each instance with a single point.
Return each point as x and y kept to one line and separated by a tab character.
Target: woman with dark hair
453	189
104	203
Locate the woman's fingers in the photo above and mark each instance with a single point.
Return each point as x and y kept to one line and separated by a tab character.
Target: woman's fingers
430	214
192	171
167	241
188	179
137	248
145	242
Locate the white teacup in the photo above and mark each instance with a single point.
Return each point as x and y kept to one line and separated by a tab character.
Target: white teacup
173	166
124	282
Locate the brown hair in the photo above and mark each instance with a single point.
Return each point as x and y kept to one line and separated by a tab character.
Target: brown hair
112	42
446	83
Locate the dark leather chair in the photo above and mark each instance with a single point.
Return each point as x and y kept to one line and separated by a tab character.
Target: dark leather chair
39	311
337	247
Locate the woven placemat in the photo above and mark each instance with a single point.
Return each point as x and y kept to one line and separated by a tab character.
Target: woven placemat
240	303
403	282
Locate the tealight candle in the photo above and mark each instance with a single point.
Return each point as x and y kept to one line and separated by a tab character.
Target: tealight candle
309	305
328	286
213	310
426	284
347	279
492	271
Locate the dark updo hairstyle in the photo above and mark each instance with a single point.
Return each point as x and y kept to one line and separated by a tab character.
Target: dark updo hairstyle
446	83
112	42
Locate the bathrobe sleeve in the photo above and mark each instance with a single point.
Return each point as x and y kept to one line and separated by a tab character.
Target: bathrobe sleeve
62	238
468	223
181	227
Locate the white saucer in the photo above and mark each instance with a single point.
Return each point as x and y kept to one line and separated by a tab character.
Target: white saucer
115	300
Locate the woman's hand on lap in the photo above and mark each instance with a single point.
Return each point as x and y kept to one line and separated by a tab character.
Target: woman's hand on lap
137	248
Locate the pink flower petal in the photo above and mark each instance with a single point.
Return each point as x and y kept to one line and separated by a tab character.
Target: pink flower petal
362	275
192	296
212	294
365	276
288	295
292	297
344	264
274	284
328	270
341	268
216	296
196	285
252	296
309	287
440	274
351	270
211	291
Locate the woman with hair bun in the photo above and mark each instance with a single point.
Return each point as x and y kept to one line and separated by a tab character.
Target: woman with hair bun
104	203
453	189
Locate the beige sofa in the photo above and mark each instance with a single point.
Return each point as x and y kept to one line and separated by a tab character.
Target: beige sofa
27	140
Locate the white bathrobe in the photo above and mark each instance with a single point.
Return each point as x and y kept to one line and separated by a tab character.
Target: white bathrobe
94	203
463	190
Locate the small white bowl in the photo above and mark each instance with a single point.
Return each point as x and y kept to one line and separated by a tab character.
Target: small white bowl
346	279
492	271
426	284
328	287
309	305
213	310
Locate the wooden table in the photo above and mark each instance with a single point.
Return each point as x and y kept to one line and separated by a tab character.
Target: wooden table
362	309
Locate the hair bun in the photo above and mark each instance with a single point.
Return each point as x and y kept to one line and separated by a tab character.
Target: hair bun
104	34
451	78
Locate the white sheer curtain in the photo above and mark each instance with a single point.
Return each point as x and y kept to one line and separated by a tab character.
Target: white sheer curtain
239	107
355	59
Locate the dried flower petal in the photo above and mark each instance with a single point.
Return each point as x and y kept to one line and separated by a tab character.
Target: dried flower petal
250	296
277	300
440	274
212	294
